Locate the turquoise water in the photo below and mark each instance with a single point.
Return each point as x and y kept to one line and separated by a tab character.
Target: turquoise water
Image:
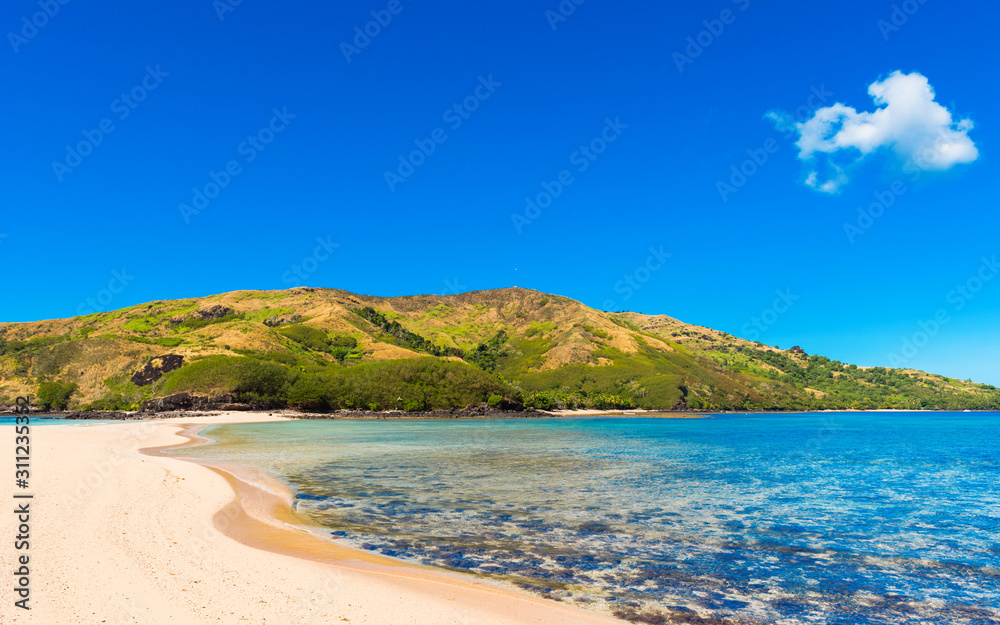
814	518
50	420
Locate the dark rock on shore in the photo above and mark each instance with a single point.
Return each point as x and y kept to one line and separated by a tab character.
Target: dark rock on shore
236	407
113	415
187	401
117	415
180	401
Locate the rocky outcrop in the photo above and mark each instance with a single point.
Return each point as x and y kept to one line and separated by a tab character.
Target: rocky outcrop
215	312
156	368
180	401
186	401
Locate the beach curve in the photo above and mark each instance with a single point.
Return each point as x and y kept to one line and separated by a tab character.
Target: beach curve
121	536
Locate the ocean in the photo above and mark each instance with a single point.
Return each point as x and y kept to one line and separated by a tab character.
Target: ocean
836	518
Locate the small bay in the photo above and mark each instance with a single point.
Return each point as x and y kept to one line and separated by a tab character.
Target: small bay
791	518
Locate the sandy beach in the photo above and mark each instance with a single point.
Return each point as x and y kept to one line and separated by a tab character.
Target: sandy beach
120	536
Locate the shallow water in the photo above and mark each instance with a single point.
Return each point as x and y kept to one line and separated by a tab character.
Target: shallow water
44	419
815	518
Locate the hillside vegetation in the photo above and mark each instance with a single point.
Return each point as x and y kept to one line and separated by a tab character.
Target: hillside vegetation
322	349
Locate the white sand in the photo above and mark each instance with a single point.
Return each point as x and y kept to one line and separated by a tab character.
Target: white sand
122	537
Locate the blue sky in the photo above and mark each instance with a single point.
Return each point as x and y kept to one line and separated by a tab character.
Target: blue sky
593	106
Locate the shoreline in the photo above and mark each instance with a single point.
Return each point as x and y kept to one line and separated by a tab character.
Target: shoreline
271	524
444	415
123	534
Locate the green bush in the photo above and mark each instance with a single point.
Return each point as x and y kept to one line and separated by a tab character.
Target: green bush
309	337
117	403
55	396
605	401
167	341
197	324
338	346
494	400
263	379
274	320
344	341
589	328
283	357
487	355
540	401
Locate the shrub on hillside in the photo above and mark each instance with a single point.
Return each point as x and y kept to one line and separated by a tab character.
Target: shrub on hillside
486	356
266	380
309	337
338	346
541	401
197	324
55	396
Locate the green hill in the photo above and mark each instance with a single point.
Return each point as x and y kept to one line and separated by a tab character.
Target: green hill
324	349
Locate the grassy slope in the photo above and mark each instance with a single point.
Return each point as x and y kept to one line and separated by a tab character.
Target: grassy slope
555	345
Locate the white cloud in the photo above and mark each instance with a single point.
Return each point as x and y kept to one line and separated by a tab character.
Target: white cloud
907	121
